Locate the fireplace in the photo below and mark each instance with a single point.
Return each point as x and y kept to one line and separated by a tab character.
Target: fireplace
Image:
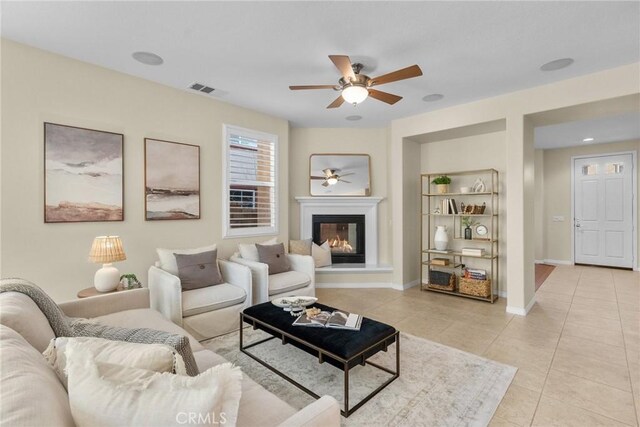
345	234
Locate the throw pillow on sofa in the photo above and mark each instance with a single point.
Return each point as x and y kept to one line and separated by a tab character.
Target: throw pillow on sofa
31	393
321	254
87	328
111	395
249	251
152	357
275	257
168	259
198	270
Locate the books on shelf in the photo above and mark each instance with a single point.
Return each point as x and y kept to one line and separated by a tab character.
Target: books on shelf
335	320
475	273
473	251
440	261
449	206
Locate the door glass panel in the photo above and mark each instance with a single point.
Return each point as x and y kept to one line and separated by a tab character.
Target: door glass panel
614	168
589	169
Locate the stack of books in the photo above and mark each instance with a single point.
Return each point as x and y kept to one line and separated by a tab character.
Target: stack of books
473	251
449	207
476	274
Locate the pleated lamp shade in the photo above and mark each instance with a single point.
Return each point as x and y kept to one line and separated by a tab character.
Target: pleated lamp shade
107	249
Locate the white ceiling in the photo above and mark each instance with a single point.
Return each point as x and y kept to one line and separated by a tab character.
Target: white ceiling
252	51
623	127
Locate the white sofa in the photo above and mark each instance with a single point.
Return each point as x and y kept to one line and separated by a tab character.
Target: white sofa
206	312
31	394
300	280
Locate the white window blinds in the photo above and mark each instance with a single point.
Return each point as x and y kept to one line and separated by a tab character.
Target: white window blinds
250	187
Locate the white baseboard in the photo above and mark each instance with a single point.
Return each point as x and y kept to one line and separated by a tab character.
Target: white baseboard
355	285
557	261
408	285
538	261
522	311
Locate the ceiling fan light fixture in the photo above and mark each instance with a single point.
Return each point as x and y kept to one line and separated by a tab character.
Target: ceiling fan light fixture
332	180
355	94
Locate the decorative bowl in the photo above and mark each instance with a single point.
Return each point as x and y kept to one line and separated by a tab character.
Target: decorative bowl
293	301
465	190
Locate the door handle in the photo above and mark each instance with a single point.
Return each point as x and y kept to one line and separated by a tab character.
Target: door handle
577	222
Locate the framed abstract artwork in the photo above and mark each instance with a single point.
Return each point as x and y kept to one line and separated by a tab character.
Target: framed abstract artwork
171	180
83	177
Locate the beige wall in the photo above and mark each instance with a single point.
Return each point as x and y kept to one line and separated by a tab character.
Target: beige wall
539	204
516	108
557	194
470	153
307	141
38	86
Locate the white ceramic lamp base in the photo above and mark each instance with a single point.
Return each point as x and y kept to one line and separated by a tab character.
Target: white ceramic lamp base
107	278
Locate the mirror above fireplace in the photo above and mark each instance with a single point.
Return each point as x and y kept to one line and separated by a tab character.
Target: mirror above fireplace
339	175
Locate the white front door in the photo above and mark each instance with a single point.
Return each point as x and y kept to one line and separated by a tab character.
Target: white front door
603	207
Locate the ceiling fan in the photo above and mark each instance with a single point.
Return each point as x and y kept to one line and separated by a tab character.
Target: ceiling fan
356	87
331	177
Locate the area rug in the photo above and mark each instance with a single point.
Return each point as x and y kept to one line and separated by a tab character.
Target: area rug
438	385
542	271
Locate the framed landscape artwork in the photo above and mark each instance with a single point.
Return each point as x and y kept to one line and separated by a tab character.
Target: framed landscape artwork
83	174
171	180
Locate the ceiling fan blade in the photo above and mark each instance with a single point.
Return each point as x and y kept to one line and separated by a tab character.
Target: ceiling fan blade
318	177
405	73
343	63
389	98
325	184
338	102
347	174
342	180
312	87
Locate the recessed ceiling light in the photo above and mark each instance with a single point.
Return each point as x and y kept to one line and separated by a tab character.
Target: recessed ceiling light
557	64
587	140
433	97
147	58
353	118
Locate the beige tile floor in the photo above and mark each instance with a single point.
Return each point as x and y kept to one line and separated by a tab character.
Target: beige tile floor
578	350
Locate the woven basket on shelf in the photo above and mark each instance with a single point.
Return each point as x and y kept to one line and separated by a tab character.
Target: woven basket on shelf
442	281
478	288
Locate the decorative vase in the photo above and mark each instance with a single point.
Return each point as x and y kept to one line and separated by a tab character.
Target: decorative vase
467	233
441	239
442	188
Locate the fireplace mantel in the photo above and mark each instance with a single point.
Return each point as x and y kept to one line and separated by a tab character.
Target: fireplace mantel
367	206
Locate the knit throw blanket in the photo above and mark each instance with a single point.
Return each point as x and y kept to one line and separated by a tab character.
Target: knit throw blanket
64	326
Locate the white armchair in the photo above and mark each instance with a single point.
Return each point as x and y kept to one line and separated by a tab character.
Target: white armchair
300	280
206	312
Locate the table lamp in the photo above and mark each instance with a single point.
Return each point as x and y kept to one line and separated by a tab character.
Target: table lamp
105	250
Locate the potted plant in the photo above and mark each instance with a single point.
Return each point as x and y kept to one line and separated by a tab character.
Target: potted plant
467	222
442	184
130	281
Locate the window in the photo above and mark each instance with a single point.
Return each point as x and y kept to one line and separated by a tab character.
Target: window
615	168
590	170
249	182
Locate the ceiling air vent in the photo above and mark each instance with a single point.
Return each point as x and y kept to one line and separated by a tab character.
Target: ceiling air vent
199	87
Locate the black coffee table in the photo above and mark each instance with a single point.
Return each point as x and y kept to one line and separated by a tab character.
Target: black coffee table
343	349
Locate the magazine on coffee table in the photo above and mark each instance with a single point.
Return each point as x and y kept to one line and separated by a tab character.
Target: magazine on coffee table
326	319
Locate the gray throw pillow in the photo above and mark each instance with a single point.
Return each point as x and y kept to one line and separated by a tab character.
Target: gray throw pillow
198	270
86	328
274	257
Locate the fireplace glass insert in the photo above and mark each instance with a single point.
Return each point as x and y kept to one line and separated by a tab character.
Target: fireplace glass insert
345	234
